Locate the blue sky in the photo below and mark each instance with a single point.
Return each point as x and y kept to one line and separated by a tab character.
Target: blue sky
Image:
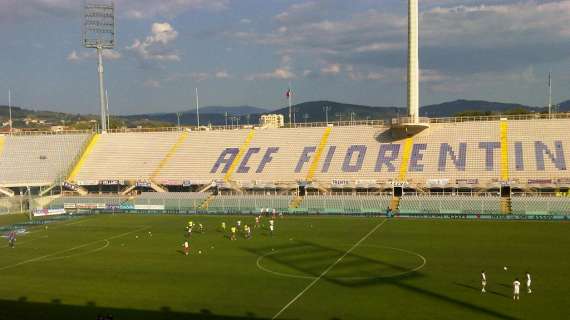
244	52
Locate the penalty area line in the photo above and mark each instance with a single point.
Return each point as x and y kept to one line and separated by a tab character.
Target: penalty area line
71	249
327	270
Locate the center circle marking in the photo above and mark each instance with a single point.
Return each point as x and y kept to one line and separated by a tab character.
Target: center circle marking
299	276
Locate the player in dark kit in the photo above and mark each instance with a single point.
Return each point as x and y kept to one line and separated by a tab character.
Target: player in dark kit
12	239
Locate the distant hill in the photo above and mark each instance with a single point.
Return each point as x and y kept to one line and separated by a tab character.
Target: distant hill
238	111
564	106
215	115
308	111
449	109
313	111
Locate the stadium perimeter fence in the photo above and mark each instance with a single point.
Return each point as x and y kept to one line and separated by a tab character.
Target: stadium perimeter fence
181	203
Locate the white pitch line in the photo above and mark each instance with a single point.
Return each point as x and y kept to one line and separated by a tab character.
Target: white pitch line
328	269
298	276
21	243
71	249
107	243
57	225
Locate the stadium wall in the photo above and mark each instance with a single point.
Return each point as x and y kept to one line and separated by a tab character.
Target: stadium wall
485	154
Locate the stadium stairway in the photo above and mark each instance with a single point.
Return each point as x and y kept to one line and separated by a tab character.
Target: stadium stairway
128	189
395	203
506	206
204	205
295	202
82	156
82	191
44	202
156	187
7	192
170	154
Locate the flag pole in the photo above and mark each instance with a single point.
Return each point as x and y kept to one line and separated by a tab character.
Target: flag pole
289	94
10	108
197	110
549	94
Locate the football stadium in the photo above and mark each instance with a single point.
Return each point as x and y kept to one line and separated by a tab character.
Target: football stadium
413	218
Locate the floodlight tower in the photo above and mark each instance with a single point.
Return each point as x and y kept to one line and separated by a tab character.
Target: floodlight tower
413	62
549	94
99	33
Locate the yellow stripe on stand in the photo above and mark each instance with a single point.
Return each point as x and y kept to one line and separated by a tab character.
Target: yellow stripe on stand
318	153
504	150
170	153
84	156
242	150
406	158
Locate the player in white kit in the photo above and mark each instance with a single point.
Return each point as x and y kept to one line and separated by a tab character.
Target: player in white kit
483	281
528	281
516	289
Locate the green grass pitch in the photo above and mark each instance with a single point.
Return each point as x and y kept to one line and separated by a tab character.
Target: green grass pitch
133	267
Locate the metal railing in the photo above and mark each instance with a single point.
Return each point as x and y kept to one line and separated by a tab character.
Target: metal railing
409	120
40	133
530	116
377	123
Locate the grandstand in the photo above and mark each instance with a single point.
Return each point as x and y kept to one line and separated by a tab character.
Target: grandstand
38	159
454	165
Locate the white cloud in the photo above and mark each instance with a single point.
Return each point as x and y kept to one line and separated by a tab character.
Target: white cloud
296	10
245	21
279	73
391	75
156	46
222	75
332	69
200	76
459	36
75	56
428	75
141	9
151	83
378	47
12	10
162	33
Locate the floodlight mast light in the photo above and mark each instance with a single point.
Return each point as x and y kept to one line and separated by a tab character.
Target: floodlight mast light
99	33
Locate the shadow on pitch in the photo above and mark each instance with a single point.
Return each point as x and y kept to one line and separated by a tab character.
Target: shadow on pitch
489	291
355	270
312	259
22	309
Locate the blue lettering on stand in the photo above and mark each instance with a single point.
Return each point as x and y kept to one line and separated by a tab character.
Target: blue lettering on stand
243	168
489	153
346	166
232	152
540	149
459	160
519	162
416	157
266	158
389	153
328	159
304	158
385	160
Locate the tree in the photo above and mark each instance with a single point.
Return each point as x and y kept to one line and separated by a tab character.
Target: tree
517	110
473	113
